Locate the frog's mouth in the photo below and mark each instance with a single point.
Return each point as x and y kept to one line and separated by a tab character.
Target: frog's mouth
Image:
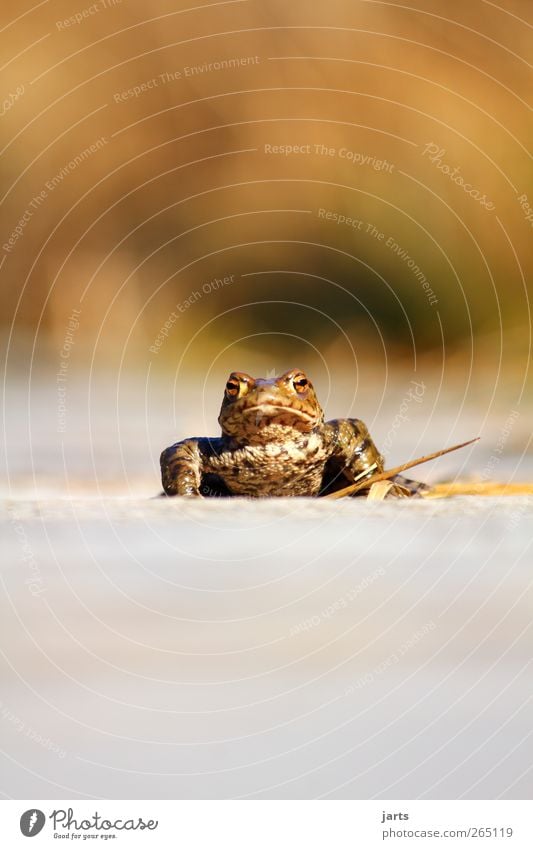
271	413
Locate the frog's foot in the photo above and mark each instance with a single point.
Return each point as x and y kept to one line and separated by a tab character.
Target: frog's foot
406	488
181	469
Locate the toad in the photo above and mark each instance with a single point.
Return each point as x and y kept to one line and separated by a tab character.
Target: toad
274	442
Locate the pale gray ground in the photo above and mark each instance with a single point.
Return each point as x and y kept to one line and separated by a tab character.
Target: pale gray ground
289	649
274	649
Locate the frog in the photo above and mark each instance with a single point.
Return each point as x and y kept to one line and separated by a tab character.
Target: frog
275	442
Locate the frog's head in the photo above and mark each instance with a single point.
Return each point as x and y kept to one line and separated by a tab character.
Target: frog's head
260	410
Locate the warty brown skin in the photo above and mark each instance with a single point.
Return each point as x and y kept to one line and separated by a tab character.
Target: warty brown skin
274	442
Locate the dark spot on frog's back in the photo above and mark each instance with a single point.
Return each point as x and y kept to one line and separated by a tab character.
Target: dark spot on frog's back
364	445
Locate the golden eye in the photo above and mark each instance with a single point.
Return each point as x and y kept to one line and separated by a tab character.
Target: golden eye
232	388
300	383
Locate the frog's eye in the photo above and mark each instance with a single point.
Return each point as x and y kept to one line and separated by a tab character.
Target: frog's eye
232	387
300	383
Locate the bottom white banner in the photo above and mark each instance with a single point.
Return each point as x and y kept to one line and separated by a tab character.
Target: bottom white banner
268	824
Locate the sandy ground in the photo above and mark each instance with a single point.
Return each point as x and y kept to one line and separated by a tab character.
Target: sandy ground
287	649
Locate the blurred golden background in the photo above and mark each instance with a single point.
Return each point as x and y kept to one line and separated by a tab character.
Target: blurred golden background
345	187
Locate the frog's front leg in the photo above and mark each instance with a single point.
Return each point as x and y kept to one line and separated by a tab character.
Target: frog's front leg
352	453
182	466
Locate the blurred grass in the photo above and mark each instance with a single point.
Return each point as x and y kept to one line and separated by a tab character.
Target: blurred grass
485	488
